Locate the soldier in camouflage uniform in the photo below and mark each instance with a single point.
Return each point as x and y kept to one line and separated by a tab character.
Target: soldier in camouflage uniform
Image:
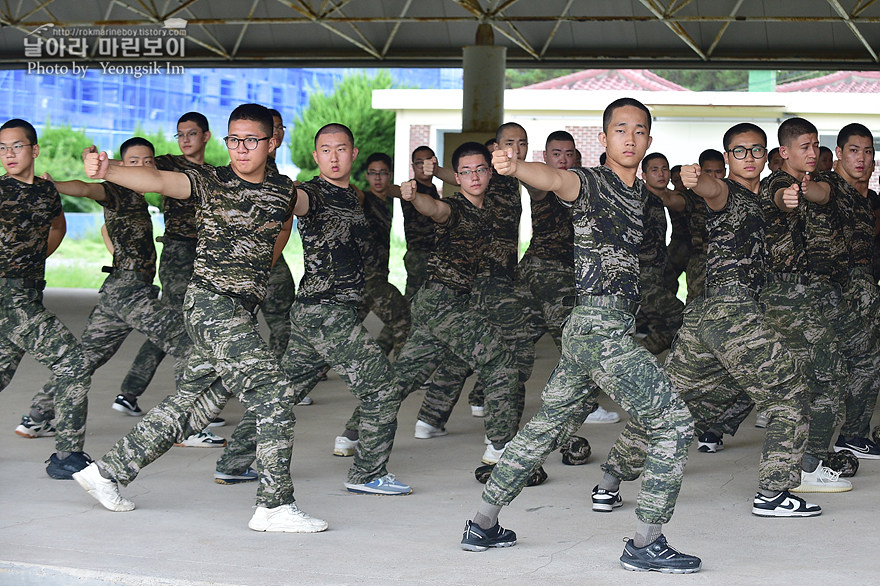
127	300
725	346
607	208
678	251
31	228
794	290
326	326
711	163
493	295
659	315
855	216
446	324
244	218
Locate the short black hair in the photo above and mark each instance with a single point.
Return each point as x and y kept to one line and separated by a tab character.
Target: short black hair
559	135
825	149
603	158
381	158
422	148
773	152
275	112
470	148
710	155
29	132
651	157
675	169
334	128
255	113
854	129
506	126
742	128
197	117
792	128
490	142
133	142
622	103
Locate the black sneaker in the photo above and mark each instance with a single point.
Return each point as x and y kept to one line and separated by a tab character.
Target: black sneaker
709	443
123	405
658	556
475	538
861	447
66	468
784	504
604	501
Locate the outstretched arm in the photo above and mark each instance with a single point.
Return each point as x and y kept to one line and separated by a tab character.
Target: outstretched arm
57	230
426	205
711	189
140	179
77	188
565	184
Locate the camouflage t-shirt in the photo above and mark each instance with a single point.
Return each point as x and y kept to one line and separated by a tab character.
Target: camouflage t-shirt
503	203
827	253
696	210
377	247
239	223
180	214
461	241
552	232
857	219
607	219
736	241
418	229
130	230
680	230
784	231
652	252
271	165
333	234
26	213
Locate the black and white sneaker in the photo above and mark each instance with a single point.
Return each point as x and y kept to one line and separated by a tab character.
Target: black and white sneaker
784	504
604	501
709	443
123	405
475	538
658	556
862	447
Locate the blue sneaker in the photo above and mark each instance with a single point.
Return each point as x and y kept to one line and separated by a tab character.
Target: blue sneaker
248	475
386	485
66	468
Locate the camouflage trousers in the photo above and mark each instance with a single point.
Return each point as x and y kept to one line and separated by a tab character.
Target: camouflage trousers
543	285
226	343
125	303
597	346
175	272
448	327
280	296
660	312
496	299
415	261
790	307
678	253
695	275
27	326
852	313
333	334
726	348
386	301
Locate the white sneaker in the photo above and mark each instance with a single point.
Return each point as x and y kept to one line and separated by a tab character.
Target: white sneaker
491	455
478	411
762	420
344	447
285	519
427	431
822	479
204	439
600	415
306	401
103	490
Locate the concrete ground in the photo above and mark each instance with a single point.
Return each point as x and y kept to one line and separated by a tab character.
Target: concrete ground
188	530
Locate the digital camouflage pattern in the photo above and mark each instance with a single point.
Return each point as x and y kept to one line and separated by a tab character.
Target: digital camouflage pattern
418	229
333	232
377	244
503	204
544	285
857	220
130	230
552	230
280	295
844	462
678	251
696	211
225	343
607	217
736	244
786	246
180	214
238	223
26	211
576	451
460	243
660	312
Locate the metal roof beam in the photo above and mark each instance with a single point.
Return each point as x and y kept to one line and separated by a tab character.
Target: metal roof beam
723	29
675	27
555	28
852	27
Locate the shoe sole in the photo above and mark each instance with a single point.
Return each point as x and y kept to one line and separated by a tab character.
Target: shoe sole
768	513
218	424
602	421
230	481
709	448
856	453
429	434
376	492
29	435
268	529
632	568
343	452
817	489
475	547
182	445
113	507
603	508
126	410
60	474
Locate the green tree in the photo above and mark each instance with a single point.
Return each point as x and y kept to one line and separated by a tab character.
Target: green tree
349	104
61	156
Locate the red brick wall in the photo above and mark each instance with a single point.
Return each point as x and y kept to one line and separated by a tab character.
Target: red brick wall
586	141
419	134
